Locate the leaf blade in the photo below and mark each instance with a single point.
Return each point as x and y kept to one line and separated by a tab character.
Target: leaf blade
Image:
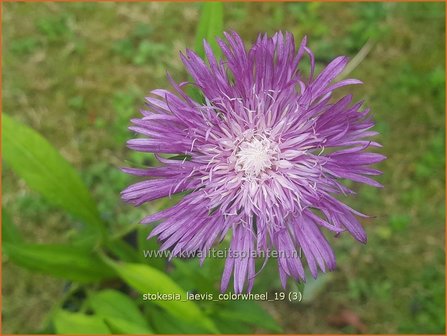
46	171
110	303
249	312
121	326
63	261
210	26
146	279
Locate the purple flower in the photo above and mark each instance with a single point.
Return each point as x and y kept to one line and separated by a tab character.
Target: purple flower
260	160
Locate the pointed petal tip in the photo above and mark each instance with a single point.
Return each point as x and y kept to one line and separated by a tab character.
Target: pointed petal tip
363	239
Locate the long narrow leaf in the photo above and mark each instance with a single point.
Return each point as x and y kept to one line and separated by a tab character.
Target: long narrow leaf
121	326
112	304
167	324
210	26
248	312
148	280
356	60
77	323
63	261
46	171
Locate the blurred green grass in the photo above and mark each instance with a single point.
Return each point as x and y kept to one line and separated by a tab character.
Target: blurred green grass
77	73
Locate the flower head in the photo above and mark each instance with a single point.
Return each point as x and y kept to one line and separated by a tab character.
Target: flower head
260	160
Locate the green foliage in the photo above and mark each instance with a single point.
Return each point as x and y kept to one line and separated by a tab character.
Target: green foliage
64	261
119	311
149	244
168	324
243	315
122	250
210	26
77	323
146	279
35	160
114	304
199	278
250	313
121	326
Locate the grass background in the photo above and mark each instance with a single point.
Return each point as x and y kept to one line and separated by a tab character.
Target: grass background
78	72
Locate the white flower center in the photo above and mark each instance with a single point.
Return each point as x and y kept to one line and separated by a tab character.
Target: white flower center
255	156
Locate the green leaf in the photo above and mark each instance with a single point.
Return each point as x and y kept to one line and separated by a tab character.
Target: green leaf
190	274
145	244
232	328
10	234
46	171
120	313
148	280
76	323
250	313
210	26
167	324
121	326
123	250
64	261
356	60
113	304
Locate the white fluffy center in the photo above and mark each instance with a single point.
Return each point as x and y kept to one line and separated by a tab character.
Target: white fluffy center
254	156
